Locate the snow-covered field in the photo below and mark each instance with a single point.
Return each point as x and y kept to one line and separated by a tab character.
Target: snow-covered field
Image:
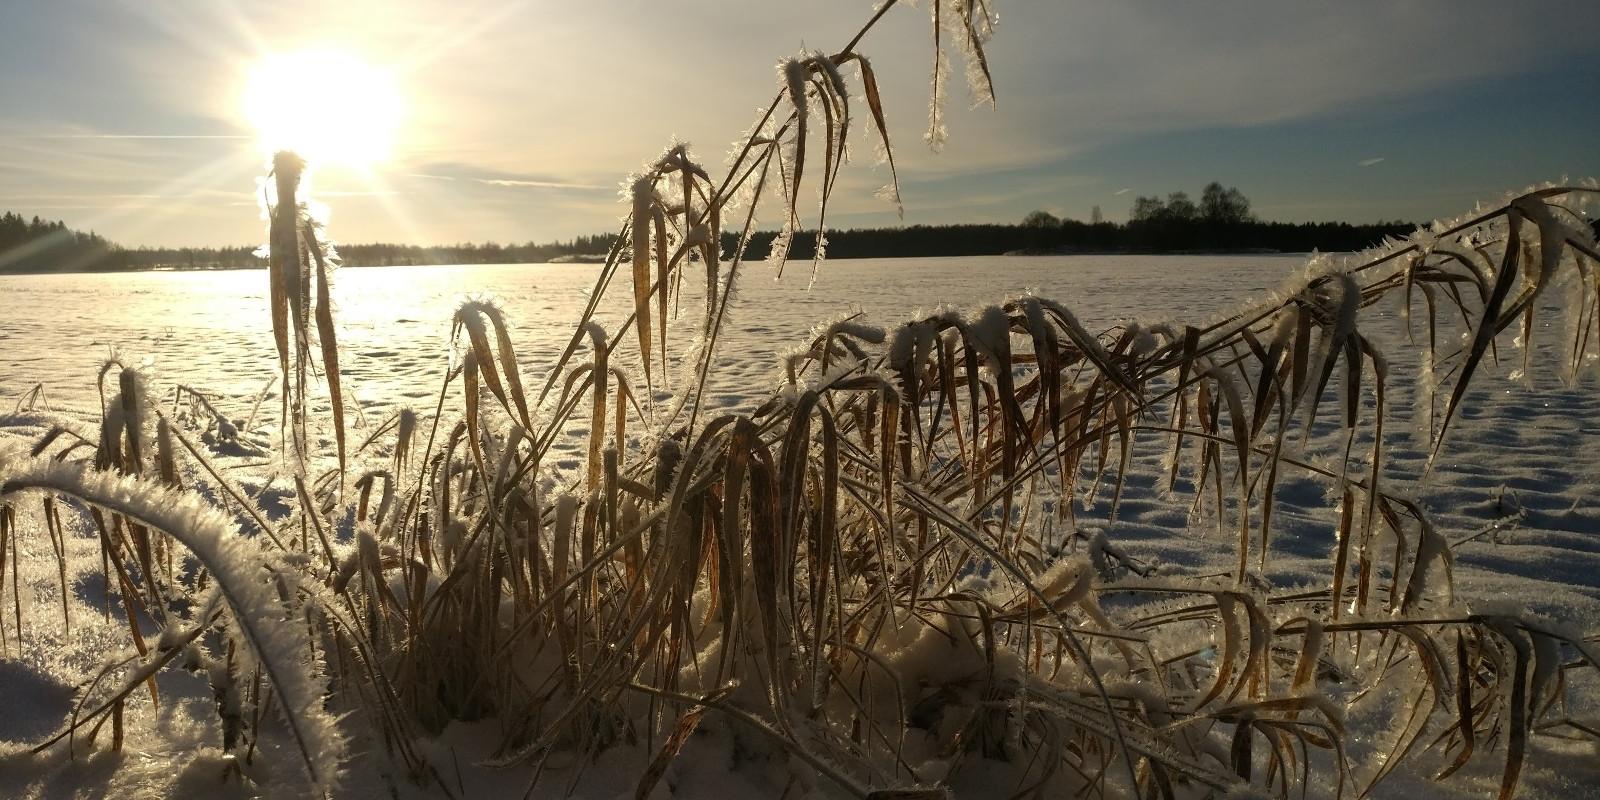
212	330
1525	462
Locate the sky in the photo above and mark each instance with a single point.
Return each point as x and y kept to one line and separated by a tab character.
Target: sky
522	119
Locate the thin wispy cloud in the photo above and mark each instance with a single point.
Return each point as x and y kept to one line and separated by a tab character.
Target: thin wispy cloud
194	195
388	193
1368	162
94	207
470	175
94	196
156	136
512	182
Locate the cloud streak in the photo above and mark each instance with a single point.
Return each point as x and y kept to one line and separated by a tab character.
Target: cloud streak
517	183
113	136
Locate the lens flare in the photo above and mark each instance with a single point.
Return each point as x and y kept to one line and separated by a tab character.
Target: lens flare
327	105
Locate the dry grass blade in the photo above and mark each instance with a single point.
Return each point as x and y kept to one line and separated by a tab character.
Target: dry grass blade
794	74
1489	324
869	82
330	345
674	743
643	197
285	255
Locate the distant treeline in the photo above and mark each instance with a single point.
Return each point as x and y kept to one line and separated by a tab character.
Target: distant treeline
383	255
54	248
1221	223
45	246
39	245
1071	236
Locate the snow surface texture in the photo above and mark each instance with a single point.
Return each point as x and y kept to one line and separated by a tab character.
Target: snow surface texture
212	330
1520	469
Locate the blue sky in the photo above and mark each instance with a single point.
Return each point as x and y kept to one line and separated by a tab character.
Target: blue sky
524	117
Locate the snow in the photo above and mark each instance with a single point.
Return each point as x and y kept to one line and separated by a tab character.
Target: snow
1513	493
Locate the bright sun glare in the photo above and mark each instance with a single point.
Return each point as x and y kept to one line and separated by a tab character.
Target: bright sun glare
326	105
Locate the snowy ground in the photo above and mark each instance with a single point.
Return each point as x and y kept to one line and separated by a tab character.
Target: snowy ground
212	330
1524	451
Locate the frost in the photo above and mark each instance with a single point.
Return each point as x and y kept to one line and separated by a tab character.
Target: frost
240	571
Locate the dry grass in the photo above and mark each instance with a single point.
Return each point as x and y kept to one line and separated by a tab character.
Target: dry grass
807	570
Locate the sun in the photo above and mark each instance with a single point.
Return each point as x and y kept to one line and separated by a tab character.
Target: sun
327	105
